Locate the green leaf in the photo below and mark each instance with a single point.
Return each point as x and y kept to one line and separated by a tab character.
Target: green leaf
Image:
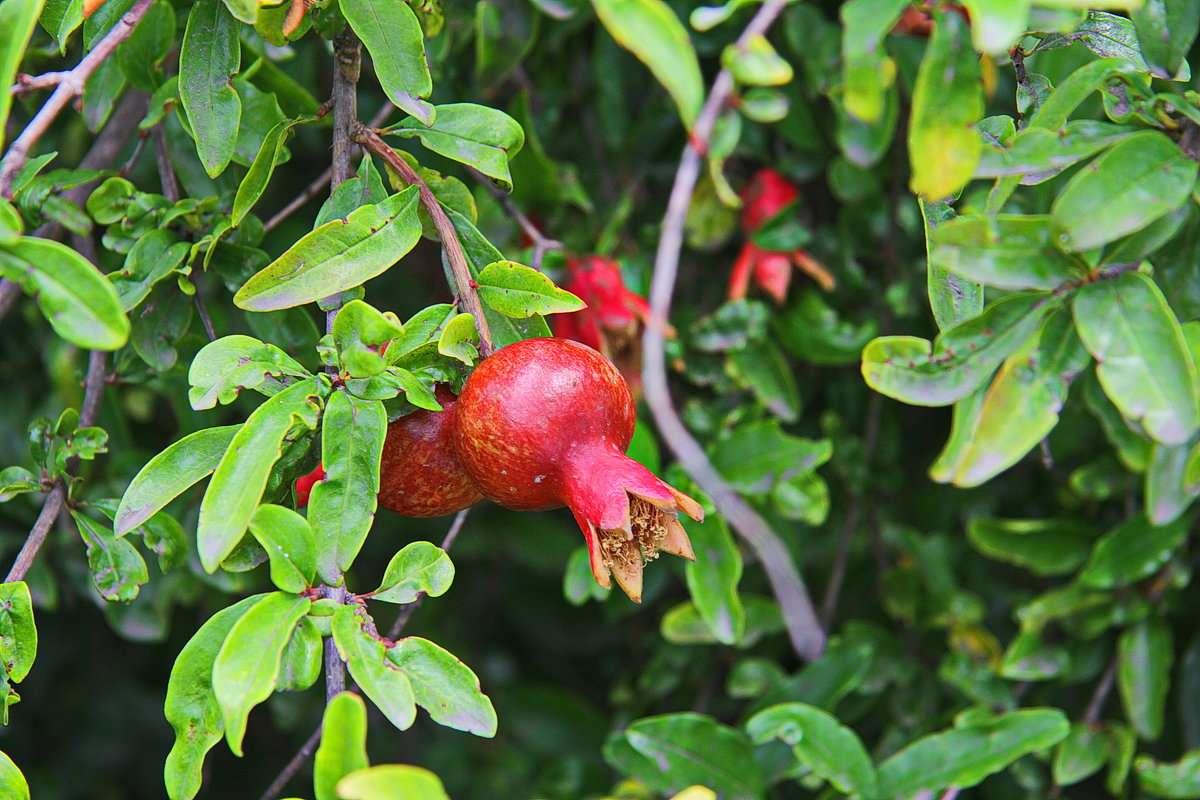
682	624
1143	361
140	54
674	751
241	477
459	339
300	665
418	569
394	39
762	368
1144	658
1133	550
1008	251
943	144
756	63
756	456
1166	30
359	332
17	480
961	359
339	255
391	782
17	20
478	136
712	580
290	546
952	298
1042	546
224	367
1080	755
831	750
118	569
152	258
517	291
247	666
1132	184
171	473
444	686
996	25
1180	779
341	507
343	744
1037	154
270	153
966	754
12	782
1029	658
650	30
208	59
1069	94
78	302
191	707
18	632
365	188
367	659
867	70
1168	493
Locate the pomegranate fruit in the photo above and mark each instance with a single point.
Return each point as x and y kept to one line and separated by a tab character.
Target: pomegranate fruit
544	423
419	473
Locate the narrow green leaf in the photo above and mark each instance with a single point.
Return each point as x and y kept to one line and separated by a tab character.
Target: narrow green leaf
418	569
1180	779
391	782
1144	657
247	666
1071	93
118	569
171	473
241	477
1133	550
394	39
518	291
1138	180
224	367
1168	493
251	189
1042	546
478	136
17	20
208	59
831	750
343	744
444	686
191	707
650	30
1008	251
341	507
943	145
366	657
756	63
337	256
867	70
12	782
964	756
290	546
1143	361
1166	30
1037	154
18	632
78	302
762	368
952	298
712	580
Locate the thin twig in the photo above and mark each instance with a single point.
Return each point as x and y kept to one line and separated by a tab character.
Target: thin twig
312	190
1091	717
804	631
162	158
68	88
402	619
541	242
28	84
9	292
465	286
293	766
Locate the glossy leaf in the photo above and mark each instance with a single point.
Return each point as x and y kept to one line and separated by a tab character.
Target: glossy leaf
712	580
171	473
755	63
152	258
444	686
18	632
208	59
831	750
1179	779
393	37
247	666
1042	546
118	569
1143	361
232	363
341	507
290	546
965	755
650	30
343	744
1039	153
366	657
1145	654
480	137
78	302
12	782
1166	30
458	339
241	476
952	298
1135	182
420	568
961	359
339	255
360	332
191	707
301	662
1131	551
867	70
17	20
947	101
1008	251
517	291
391	782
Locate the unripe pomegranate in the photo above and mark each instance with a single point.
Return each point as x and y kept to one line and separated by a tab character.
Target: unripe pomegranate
419	474
544	423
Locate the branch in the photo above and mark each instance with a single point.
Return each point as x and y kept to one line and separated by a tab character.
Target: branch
68	88
1091	717
465	286
541	242
347	54
804	630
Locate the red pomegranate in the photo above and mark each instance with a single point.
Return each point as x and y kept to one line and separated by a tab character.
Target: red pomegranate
419	474
544	423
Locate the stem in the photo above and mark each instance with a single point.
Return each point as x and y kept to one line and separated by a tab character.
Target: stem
541	242
9	292
347	53
69	86
1091	717
464	283
293	766
804	631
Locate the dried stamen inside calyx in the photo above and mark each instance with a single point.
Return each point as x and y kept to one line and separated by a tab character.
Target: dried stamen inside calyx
651	530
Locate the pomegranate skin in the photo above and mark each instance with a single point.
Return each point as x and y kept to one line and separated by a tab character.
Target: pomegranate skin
545	422
419	473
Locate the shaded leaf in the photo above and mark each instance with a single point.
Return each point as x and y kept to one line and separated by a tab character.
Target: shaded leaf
290	546
1131	551
832	750
1144	658
712	580
208	59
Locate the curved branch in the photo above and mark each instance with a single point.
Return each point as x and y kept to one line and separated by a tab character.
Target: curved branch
804	631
